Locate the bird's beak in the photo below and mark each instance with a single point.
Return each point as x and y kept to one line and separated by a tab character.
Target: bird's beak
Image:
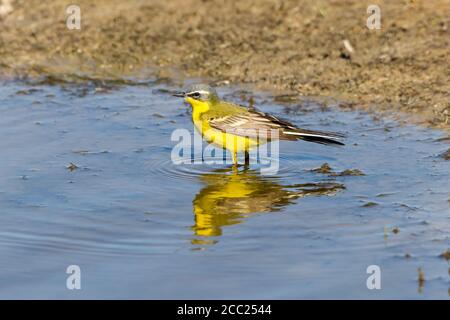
179	94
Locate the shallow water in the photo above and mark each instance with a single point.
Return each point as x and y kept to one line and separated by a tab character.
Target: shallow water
87	180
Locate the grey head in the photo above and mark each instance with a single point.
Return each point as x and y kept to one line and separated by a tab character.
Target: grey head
201	92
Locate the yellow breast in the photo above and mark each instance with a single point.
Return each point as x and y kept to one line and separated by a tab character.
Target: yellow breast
228	141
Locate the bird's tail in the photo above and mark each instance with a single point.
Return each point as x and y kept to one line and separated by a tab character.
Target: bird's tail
322	137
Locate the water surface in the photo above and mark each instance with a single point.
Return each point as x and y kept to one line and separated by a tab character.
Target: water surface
87	180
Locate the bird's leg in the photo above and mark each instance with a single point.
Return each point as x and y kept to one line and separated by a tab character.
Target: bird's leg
247	158
234	156
246	152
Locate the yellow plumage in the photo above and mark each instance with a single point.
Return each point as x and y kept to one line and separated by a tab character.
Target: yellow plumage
239	129
233	143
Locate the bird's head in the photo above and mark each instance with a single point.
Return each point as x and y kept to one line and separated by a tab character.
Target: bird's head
199	95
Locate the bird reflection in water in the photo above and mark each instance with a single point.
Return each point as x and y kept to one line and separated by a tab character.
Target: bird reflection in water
229	196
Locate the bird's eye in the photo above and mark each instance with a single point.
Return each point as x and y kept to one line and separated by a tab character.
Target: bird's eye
196	95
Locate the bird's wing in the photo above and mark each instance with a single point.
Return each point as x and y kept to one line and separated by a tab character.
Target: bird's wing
256	124
250	124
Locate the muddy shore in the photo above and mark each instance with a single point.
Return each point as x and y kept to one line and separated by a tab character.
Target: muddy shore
302	48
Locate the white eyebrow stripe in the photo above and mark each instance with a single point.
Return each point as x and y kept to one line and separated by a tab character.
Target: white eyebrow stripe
201	92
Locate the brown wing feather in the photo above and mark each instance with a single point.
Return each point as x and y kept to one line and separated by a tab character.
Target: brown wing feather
255	124
251	124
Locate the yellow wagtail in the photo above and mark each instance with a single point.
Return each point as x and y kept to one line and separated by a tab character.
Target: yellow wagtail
239	129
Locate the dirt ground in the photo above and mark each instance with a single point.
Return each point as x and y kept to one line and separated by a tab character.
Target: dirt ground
294	47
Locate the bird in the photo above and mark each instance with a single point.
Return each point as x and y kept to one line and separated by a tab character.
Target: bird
239	129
